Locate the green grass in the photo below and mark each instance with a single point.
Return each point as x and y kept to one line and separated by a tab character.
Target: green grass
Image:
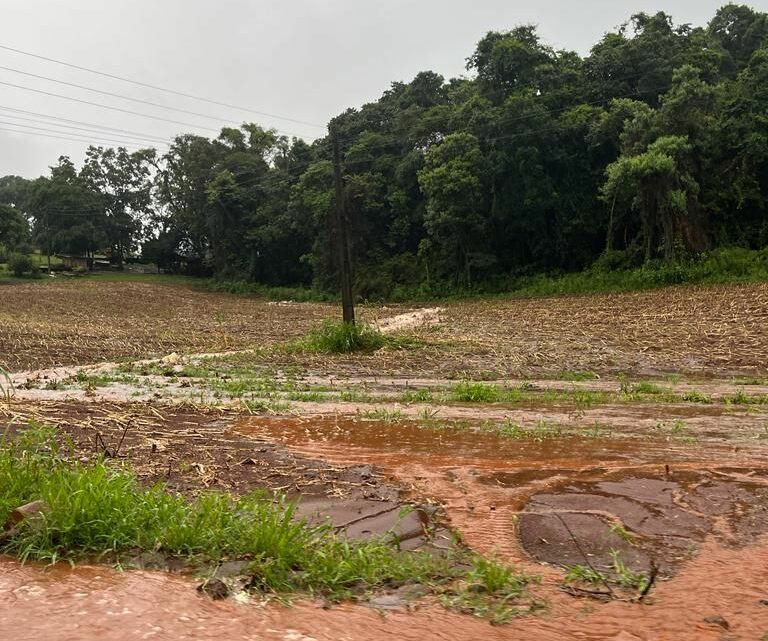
99	512
577	375
333	337
490	591
725	265
742	398
618	573
695	396
471	392
336	337
649	388
417	396
383	414
750	381
540	431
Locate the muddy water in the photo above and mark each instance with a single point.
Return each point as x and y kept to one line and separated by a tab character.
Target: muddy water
484	482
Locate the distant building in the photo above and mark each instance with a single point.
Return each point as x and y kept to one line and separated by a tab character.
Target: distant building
71	262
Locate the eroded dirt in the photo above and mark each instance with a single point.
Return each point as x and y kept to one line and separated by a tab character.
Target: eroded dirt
191	450
649	521
710	496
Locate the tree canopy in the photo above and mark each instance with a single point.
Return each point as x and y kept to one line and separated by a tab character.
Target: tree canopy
654	146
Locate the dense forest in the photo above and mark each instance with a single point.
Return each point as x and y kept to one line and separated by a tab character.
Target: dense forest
650	150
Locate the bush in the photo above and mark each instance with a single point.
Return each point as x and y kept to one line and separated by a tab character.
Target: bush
340	338
21	264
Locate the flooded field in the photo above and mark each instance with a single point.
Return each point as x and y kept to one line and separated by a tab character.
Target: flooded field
630	477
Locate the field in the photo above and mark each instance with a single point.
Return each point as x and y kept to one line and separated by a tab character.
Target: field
613	445
709	332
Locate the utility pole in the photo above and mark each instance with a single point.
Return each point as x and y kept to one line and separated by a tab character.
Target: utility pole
341	229
48	239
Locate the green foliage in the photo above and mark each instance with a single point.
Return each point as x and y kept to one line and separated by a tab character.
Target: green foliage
417	396
648	388
719	266
642	163
618	573
21	265
335	337
295	294
491	590
571	375
97	512
695	396
470	392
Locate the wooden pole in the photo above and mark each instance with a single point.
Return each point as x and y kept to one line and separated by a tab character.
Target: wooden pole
341	226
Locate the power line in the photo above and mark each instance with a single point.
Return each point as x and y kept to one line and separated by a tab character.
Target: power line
66	133
32	133
138	139
128	111
81	122
158	88
110	107
120	96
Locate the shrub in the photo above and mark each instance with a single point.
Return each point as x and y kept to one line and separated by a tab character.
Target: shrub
20	264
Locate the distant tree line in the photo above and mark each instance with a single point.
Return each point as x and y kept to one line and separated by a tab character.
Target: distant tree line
651	149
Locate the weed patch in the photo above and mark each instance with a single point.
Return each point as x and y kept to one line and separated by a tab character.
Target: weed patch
617	574
471	392
334	337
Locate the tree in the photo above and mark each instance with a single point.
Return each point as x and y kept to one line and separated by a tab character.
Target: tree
68	216
123	182
657	186
453	182
14	228
740	31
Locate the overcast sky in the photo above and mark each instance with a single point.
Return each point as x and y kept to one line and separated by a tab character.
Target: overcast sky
301	59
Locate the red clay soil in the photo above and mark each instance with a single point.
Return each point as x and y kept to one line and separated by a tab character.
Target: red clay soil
190	451
649	521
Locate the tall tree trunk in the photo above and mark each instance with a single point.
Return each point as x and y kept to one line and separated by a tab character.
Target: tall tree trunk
611	226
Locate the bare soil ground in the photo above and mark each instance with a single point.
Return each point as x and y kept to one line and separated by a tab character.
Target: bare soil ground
700	331
80	321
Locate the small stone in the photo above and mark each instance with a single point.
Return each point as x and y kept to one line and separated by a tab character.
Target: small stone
214	588
718	620
31	511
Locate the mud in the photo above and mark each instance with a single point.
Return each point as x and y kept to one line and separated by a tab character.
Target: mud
190	450
650	521
711	496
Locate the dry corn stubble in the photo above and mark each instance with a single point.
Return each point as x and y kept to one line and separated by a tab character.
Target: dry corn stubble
713	331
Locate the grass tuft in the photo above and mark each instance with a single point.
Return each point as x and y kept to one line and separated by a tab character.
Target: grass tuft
471	392
335	337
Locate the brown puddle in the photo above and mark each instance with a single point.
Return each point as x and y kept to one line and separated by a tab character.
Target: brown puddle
487	484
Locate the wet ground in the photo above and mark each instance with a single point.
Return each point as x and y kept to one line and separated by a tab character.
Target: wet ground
189	450
663	499
697	512
673	489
